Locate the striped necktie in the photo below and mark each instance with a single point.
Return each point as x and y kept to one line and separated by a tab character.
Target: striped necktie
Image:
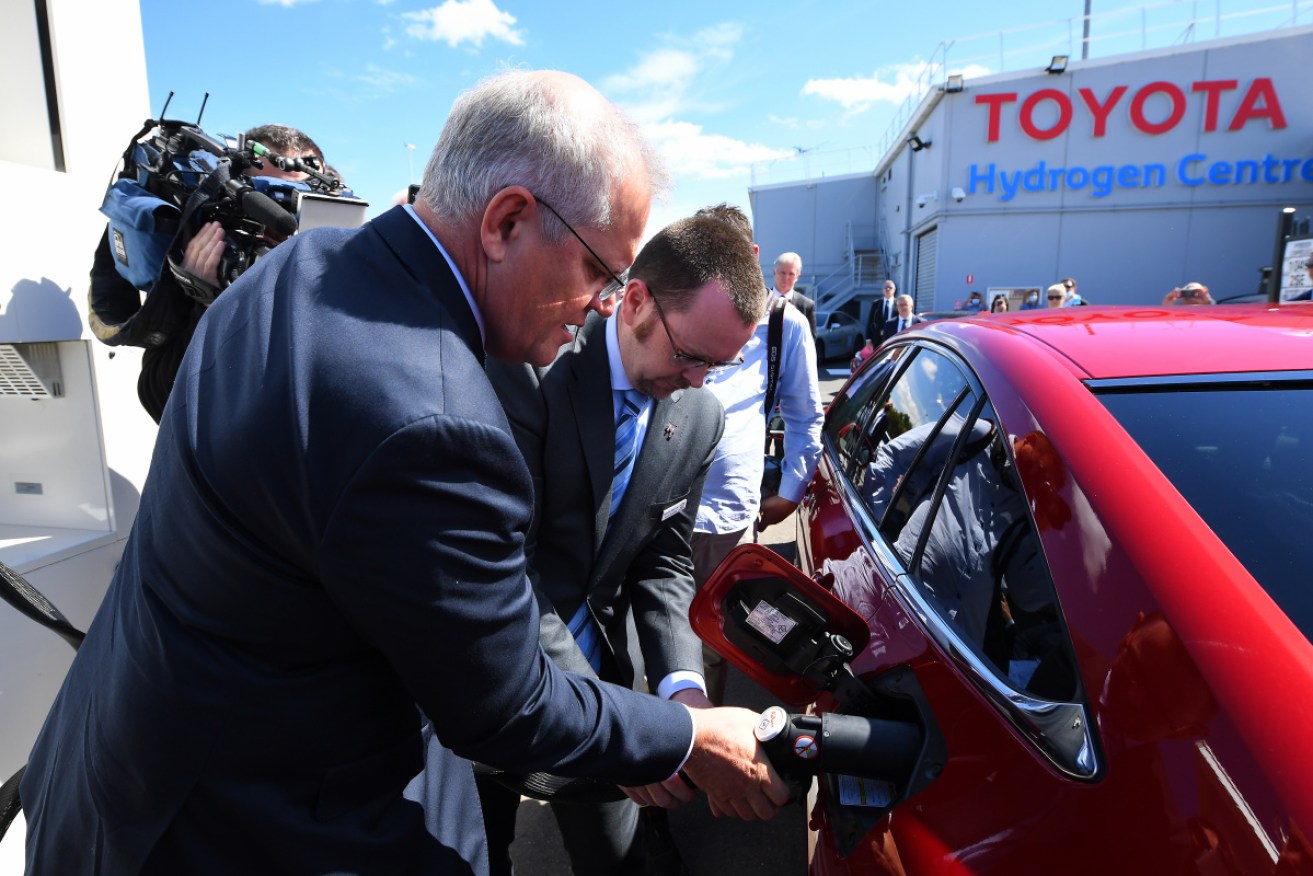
626	445
582	625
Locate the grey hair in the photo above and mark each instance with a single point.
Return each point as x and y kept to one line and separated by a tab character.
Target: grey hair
791	258
516	128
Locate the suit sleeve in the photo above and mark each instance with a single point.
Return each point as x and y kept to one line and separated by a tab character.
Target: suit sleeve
424	551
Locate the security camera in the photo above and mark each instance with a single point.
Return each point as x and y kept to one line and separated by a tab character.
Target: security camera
959	194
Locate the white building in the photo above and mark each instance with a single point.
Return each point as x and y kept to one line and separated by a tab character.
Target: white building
75	443
1133	174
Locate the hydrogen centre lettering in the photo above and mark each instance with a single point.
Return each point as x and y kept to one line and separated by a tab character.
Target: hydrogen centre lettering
1155	109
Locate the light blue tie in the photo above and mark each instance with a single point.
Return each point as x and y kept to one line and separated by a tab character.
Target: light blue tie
626	445
582	625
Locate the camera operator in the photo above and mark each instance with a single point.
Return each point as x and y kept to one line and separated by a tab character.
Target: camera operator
164	323
1190	293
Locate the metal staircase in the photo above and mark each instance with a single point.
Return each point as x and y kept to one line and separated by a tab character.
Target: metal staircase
860	275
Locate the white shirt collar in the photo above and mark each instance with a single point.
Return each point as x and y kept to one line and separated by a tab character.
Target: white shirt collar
619	379
474	308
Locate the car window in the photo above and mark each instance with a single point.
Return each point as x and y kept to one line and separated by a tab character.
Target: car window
1242	456
974	553
854	405
936	475
897	431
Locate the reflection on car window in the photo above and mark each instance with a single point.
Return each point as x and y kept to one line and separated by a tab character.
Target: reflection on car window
853	406
978	561
935	474
1242	456
913	407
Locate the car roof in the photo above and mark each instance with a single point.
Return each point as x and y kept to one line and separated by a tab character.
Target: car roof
1121	342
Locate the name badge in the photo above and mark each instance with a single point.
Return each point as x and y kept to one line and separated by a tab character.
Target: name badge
674	509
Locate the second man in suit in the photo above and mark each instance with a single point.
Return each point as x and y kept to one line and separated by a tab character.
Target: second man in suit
618	440
905	318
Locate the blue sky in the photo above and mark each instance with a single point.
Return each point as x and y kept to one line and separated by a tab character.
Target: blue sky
717	85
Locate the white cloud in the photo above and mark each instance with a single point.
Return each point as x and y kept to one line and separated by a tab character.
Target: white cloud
659	69
385	81
889	85
689	150
459	21
285	3
664	86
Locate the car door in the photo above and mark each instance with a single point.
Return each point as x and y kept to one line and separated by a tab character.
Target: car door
919	522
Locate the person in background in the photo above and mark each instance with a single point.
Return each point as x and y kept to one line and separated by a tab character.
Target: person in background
1056	294
1190	293
1071	297
163	325
883	309
788	268
866	352
999	304
975	303
905	318
1031	302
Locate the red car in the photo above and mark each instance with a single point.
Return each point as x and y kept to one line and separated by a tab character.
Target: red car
1055	601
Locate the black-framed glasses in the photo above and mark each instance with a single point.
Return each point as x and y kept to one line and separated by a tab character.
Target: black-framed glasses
689	360
617	282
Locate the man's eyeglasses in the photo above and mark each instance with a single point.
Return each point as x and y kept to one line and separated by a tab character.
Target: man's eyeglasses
688	360
1055	297
616	283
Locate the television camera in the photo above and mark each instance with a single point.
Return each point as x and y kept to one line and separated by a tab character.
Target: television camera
175	178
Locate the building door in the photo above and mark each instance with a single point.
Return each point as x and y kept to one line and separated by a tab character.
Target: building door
923	285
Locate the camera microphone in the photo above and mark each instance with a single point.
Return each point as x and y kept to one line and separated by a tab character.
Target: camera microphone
263	209
267	212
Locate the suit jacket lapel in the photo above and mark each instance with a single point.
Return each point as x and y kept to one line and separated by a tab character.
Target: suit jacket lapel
594	415
403	235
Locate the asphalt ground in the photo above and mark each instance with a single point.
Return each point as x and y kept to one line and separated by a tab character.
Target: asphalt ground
709	846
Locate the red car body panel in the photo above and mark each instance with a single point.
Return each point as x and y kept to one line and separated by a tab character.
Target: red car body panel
1200	687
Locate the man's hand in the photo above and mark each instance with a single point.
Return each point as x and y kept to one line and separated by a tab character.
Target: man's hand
201	257
773	510
692	697
729	765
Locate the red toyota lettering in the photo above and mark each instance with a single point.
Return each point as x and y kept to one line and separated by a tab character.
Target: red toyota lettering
1064	114
995	103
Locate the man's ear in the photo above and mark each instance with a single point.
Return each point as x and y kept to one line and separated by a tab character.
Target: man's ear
637	299
505	219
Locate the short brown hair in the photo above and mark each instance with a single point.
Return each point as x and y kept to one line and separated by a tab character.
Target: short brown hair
731	214
686	255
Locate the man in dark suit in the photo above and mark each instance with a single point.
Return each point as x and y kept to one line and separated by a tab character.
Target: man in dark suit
905	318
788	268
883	309
614	586
332	533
